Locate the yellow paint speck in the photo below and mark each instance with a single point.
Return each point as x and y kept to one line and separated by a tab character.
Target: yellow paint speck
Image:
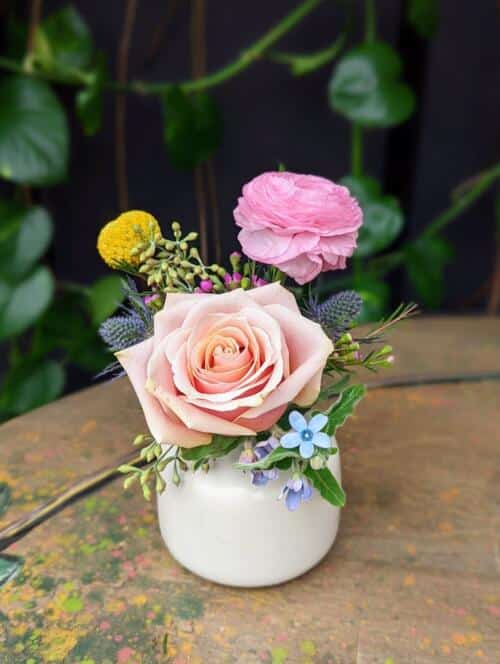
409	580
308	648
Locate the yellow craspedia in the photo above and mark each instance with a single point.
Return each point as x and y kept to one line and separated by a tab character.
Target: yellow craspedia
118	237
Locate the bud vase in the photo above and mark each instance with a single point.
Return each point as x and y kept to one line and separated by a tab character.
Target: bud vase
224	529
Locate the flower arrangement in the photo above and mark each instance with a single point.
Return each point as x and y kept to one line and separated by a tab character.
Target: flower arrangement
244	356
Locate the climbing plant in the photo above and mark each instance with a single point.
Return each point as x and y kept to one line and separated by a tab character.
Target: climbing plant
48	325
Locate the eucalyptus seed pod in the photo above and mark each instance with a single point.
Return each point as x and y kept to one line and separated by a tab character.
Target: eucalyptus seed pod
190	237
161	485
245	283
129	481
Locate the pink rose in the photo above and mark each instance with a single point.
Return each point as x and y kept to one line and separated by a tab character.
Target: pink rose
302	224
225	364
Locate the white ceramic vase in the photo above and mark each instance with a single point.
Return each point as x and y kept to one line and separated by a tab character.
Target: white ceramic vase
221	527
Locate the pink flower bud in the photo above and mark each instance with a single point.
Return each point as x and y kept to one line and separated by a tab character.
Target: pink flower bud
206	286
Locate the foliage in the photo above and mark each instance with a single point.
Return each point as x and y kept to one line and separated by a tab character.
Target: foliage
47	324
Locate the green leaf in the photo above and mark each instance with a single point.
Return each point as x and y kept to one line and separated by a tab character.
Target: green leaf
382	216
33	133
10	566
327	485
220	446
425	262
367	89
88	101
376	297
19	253
192	127
423	15
334	389
5	497
29	386
277	455
343	408
105	296
63	40
25	302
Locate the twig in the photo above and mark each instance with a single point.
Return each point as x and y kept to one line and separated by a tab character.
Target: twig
161	31
121	105
198	65
35	17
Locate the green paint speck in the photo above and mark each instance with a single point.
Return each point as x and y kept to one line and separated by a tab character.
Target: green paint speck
389	660
308	648
279	655
189	607
73	604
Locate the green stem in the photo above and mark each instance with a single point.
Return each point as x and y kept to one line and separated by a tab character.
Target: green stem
356	150
370	21
242	62
384	264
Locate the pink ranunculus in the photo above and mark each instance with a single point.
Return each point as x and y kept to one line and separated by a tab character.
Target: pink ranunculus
302	224
225	364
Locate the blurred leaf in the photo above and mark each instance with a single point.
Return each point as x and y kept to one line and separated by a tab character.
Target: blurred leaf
66	326
382	216
22	304
192	127
22	249
425	262
10	220
375	295
30	385
5	497
16	32
366	87
63	40
33	133
423	15
10	566
105	296
88	101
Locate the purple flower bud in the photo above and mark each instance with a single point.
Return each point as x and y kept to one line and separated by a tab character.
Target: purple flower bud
206	286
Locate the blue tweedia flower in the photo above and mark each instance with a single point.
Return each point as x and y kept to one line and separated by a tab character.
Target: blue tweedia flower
297	490
306	435
260	451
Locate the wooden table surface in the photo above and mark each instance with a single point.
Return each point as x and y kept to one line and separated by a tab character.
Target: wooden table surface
412	578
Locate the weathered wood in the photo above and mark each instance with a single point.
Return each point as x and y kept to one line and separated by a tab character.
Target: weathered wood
413	576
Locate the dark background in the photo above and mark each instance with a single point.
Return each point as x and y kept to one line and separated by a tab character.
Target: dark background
271	117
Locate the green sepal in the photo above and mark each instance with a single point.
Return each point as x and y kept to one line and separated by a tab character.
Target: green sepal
325	482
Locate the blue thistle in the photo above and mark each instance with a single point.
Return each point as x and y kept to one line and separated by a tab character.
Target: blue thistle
337	313
120	332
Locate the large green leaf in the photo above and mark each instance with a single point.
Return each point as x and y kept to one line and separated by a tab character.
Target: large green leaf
22	304
63	40
29	386
366	87
10	567
425	262
327	485
33	132
423	16
24	247
88	101
382	216
192	127
105	296
344	408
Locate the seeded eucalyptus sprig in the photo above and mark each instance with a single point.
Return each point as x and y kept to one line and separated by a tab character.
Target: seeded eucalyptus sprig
153	459
173	265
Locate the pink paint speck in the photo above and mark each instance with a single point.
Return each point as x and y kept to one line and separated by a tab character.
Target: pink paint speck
118	638
494	610
151	615
282	636
122	519
104	625
123	655
129	569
